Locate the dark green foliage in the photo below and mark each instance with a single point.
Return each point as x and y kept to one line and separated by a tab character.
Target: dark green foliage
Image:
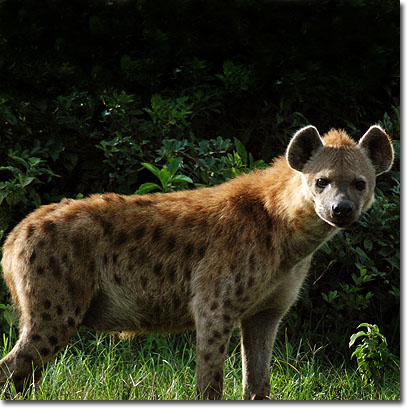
91	92
372	354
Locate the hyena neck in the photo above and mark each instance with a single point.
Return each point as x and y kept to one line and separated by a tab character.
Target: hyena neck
304	230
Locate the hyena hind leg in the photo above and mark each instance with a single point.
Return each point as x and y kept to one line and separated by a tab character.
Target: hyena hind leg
38	343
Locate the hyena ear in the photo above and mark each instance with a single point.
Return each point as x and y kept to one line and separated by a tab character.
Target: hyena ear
302	147
378	148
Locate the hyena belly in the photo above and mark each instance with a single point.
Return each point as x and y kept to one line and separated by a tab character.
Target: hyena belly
139	298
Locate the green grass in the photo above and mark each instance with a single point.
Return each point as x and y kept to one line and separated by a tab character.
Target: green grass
102	367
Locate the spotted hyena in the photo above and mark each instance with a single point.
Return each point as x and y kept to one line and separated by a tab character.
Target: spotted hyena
207	259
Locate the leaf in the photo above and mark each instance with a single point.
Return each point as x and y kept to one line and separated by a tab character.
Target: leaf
368	244
151	168
182	178
355	336
173	166
241	150
25	180
164	177
147	187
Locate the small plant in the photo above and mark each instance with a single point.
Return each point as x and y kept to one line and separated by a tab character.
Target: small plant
372	354
170	181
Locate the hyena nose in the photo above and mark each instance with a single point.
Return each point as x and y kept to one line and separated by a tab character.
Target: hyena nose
342	208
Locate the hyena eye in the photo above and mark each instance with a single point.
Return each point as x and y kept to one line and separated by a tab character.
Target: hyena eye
360	185
322	182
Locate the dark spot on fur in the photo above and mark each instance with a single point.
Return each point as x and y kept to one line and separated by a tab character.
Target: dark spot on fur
71	322
228	304
49	226
47	304
105	259
139	232
44	351
251	281
114	258
120	239
107	227
207	357
171	240
177	302
27	357
221	348
107	197
158	269
226	330
143	202
239	290
216	334
156	234
53	340
78	245
188	250
226	318
171	273
218	377
214	306
202	251
117	279
268	241
53	264
211	341
131	267
187	273
36	337
59	310
144	282
40	270
252	260
72	287
30	231
77	311
32	257
156	309
45	317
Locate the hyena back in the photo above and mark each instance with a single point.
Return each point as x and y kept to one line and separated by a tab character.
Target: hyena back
209	258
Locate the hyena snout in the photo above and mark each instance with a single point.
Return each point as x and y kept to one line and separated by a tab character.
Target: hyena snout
342	209
343	212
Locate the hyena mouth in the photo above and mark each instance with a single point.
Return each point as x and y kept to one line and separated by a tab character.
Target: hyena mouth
337	222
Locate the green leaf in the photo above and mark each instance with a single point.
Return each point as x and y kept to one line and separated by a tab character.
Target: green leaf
147	187
164	177
151	168
355	336
25	180
173	166
241	150
182	178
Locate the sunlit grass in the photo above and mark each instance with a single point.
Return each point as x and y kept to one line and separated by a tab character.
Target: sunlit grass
103	367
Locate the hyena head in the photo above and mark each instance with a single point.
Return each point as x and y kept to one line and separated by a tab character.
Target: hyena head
338	175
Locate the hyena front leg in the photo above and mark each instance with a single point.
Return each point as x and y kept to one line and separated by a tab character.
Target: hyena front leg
258	335
212	335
